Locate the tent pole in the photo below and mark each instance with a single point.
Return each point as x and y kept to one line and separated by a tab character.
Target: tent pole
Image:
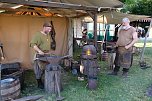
143	50
95	30
93	15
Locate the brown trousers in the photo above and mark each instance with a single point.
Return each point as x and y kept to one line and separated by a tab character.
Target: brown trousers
39	66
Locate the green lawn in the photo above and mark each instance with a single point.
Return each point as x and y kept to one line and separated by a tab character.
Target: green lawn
141	44
110	88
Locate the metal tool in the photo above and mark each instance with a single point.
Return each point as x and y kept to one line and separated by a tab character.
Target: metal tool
142	63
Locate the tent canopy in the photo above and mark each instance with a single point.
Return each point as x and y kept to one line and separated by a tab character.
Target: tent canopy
114	17
98	3
68	8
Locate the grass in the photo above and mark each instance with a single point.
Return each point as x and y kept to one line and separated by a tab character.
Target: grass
141	44
110	88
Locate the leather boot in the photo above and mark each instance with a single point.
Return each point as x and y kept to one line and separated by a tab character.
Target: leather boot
40	84
115	71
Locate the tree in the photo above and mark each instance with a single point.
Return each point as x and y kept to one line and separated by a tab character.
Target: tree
140	7
143	7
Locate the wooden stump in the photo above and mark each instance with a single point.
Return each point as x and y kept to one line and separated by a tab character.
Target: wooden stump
50	85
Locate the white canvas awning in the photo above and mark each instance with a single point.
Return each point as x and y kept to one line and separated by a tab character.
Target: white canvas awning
114	17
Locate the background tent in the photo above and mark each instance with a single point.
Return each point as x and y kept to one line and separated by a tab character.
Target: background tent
17	31
19	20
114	17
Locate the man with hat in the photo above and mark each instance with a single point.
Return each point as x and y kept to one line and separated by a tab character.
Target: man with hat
127	37
41	43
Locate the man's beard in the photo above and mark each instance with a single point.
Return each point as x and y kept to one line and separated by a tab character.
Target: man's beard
125	27
46	32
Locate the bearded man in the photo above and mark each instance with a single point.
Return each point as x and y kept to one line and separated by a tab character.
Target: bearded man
41	43
127	37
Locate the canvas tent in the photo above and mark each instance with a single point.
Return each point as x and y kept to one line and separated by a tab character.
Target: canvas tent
114	17
16	33
16	30
96	3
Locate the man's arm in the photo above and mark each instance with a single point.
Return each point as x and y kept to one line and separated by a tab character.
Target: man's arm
1	52
38	50
135	39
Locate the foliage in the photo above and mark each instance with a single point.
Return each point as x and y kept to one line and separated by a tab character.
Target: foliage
143	7
140	7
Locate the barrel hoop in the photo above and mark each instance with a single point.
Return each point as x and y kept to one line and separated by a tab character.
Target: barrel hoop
15	82
17	73
17	87
17	91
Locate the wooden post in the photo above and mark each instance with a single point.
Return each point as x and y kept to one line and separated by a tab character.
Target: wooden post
50	84
93	15
95	30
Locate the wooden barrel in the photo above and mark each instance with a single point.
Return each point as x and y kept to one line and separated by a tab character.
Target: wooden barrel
105	56
10	88
13	70
14	73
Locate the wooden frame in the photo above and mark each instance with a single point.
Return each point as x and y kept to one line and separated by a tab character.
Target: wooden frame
51	4
91	10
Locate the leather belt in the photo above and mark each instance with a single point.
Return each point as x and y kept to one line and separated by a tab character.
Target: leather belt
46	51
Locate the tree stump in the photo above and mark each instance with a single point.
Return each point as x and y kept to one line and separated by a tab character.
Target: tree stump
50	85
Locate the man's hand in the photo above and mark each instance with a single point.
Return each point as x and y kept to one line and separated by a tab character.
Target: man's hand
127	47
40	52
2	58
